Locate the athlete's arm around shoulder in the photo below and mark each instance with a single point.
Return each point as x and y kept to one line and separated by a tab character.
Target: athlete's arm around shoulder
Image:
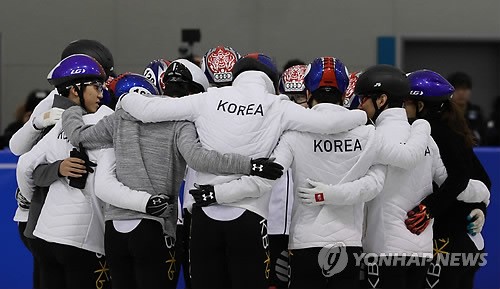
253	186
296	117
406	155
158	109
112	191
24	139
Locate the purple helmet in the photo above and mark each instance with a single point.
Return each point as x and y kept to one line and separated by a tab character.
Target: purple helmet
326	72
131	82
76	68
217	64
427	85
292	80
155	71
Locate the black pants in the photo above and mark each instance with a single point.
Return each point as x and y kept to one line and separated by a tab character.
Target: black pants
63	266
441	275
140	258
185	236
176	256
389	273
229	254
278	245
307	272
36	268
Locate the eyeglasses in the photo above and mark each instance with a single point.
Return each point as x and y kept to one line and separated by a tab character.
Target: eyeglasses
98	85
364	98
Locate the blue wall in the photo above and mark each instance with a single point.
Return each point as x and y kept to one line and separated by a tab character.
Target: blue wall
16	261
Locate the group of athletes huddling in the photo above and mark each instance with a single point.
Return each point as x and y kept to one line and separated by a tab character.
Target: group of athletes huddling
246	178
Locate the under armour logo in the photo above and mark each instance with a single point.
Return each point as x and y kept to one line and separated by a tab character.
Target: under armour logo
211	196
156	202
255	167
378	84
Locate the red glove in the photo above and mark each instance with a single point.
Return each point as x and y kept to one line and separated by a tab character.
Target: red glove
418	219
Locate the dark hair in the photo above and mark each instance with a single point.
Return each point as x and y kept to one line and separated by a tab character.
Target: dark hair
180	88
460	80
449	113
327	95
63	90
293	62
34	98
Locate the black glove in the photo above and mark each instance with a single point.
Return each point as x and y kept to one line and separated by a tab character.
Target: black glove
159	206
266	168
204	195
22	202
79	183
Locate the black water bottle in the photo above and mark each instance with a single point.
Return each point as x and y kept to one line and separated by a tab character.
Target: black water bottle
80	182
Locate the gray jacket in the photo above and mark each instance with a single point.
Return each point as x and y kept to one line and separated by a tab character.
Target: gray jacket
150	157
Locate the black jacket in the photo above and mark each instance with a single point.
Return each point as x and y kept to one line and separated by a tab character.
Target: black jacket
450	215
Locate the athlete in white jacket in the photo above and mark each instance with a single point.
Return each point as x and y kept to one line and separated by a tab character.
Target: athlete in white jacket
386	231
71	222
246	118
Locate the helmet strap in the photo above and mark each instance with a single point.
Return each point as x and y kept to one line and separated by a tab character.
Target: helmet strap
80	90
378	110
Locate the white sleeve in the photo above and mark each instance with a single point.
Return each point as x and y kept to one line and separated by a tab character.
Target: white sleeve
361	190
158	109
24	139
407	155
112	191
29	161
252	186
439	173
476	192
298	118
189	181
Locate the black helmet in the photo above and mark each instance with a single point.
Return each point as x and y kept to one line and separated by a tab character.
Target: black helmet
383	79
94	49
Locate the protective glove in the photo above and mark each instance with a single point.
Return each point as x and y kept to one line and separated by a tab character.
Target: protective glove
204	195
159	206
476	222
22	202
266	168
418	219
315	196
79	183
48	118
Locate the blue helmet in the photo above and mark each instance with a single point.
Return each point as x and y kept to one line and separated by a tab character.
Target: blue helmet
257	62
326	72
131	82
155	71
427	85
292	80
76	68
218	63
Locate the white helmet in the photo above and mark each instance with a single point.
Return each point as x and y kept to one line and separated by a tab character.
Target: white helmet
186	71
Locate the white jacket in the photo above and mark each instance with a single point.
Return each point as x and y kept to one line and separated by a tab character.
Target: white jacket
280	205
386	231
336	158
69	216
245	118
